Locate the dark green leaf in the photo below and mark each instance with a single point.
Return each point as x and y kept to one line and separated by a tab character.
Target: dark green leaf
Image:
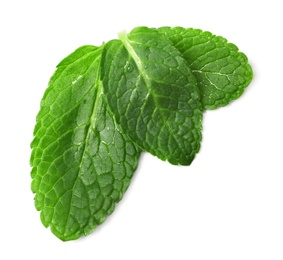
153	95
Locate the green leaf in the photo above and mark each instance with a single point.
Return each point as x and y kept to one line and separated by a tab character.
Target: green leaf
105	104
222	72
82	162
153	95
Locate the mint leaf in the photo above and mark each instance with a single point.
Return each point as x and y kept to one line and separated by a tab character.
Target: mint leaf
222	72
153	95
145	91
82	162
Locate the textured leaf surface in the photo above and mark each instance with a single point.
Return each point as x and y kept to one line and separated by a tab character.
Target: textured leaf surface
153	94
82	163
222	72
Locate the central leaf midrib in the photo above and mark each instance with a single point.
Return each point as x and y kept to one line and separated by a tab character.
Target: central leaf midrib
92	122
126	42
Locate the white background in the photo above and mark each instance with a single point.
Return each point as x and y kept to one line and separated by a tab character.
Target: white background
227	205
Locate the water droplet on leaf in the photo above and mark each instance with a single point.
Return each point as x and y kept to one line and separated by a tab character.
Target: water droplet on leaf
128	67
